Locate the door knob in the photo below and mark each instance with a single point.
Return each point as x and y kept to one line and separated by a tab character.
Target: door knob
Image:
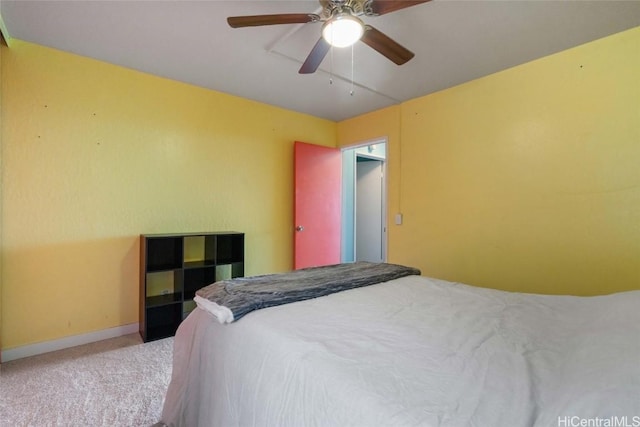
299	228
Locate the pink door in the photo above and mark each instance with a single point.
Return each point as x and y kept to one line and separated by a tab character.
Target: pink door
317	205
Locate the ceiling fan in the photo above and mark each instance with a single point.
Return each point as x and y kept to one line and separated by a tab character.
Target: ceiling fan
341	27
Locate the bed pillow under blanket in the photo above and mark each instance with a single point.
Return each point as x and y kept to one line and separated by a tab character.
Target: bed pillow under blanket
229	300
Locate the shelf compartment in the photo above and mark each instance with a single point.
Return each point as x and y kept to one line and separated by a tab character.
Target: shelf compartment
163	321
187	308
195	251
237	270
229	271
164	254
229	248
163	282
197	278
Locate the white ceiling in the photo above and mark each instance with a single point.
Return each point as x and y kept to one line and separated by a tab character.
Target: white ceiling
190	41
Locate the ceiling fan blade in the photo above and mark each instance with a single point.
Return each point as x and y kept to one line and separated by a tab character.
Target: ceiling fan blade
380	7
259	20
385	45
316	56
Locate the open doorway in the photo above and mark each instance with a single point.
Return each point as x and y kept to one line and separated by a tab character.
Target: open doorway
364	233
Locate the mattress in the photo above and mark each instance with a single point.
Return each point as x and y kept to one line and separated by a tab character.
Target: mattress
413	351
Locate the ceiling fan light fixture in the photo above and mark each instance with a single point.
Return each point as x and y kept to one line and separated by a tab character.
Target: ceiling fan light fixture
342	30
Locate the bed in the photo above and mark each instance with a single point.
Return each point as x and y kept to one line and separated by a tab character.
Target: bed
412	351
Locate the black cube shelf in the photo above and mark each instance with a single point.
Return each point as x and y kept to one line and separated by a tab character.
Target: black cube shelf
174	266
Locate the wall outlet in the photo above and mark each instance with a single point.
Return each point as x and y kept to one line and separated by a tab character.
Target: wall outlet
398	219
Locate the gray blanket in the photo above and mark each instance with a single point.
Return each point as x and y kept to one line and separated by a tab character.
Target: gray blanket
246	294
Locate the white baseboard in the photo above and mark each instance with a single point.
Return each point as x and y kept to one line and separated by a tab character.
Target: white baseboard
67	342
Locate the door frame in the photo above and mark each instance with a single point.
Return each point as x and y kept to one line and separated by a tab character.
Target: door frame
385	203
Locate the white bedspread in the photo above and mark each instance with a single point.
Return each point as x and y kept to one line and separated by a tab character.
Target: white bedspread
412	352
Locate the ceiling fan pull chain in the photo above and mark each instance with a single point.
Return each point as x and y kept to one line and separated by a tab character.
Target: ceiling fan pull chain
331	67
351	92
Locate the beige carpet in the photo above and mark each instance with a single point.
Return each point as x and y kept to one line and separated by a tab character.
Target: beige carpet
116	382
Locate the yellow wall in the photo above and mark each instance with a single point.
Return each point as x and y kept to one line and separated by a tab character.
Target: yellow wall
96	154
527	180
